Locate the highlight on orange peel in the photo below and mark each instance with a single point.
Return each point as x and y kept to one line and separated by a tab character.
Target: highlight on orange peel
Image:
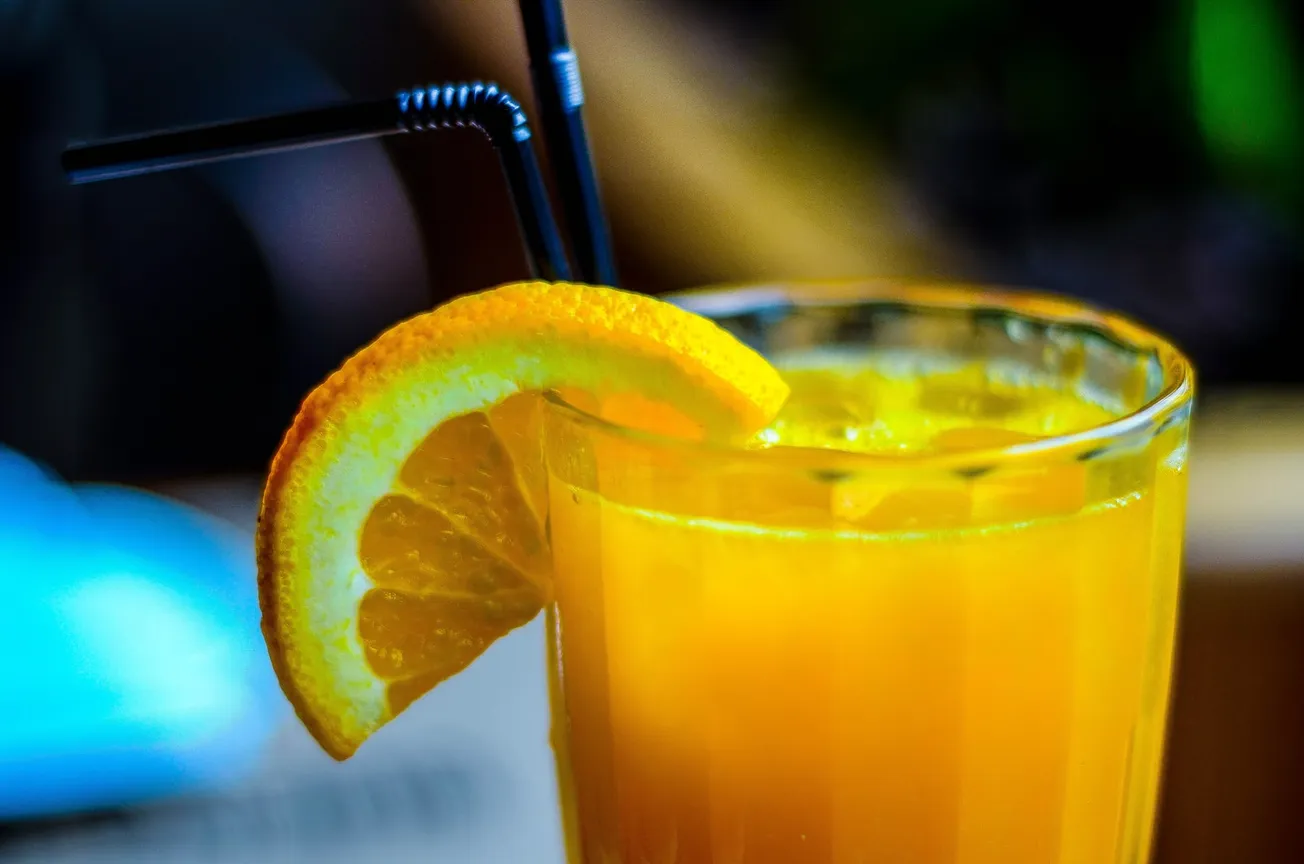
401	525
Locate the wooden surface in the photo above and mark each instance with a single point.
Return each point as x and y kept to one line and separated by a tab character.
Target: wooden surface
1234	788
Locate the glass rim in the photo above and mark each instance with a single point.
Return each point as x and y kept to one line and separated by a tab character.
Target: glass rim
715	301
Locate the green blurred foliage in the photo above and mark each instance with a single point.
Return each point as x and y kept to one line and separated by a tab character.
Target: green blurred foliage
1105	101
1248	88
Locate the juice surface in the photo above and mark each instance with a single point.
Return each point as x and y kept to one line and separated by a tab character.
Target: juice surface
767	669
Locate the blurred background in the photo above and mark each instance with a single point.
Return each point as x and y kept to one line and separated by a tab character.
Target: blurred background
157	333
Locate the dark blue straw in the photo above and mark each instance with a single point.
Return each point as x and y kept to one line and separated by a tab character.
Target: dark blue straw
556	77
483	106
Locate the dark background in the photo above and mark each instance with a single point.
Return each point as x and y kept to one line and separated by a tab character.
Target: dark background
1143	154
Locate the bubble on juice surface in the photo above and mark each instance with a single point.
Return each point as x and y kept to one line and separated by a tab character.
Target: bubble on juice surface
858	409
827	408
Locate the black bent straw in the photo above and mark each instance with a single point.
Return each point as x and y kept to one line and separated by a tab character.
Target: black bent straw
483	106
556	77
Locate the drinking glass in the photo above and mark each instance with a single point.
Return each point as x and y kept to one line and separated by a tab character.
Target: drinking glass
802	655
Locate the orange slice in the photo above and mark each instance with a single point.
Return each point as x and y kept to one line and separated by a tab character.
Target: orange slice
400	531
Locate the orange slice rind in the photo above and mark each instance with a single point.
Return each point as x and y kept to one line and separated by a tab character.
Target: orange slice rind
399	534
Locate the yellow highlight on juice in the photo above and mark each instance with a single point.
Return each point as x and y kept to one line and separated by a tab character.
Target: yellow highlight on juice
756	662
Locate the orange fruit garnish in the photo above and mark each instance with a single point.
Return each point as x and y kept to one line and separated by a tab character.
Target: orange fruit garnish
401	525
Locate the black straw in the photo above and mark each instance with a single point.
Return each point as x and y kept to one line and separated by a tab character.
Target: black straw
483	106
556	77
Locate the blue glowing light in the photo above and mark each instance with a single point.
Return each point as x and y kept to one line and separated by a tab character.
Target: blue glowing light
132	661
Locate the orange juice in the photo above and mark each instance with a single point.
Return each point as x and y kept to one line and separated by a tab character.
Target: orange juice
846	644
